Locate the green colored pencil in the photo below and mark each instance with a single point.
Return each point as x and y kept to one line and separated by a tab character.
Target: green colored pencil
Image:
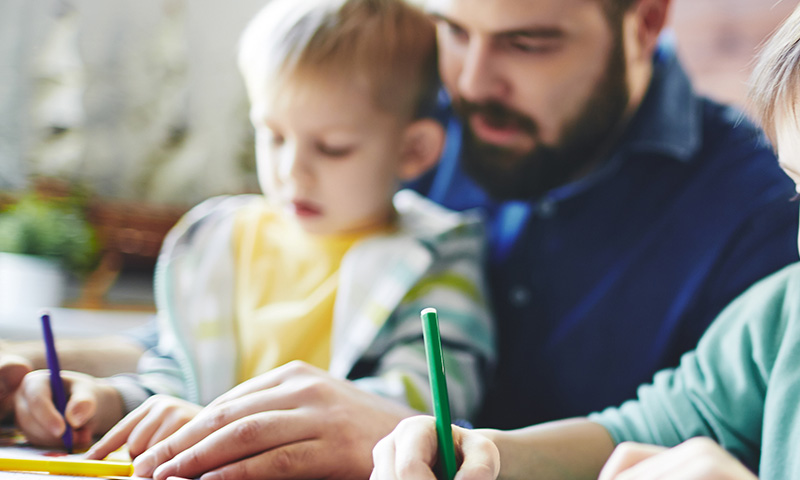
441	401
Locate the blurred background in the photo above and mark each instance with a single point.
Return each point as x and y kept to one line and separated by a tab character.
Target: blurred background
139	103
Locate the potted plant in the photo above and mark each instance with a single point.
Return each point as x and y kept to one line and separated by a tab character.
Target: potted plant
43	239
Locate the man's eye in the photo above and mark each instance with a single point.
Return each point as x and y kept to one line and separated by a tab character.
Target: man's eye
527	46
455	32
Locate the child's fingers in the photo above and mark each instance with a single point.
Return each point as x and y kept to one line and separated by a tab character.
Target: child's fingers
481	457
118	435
177	414
36	401
164	417
35	432
141	434
41	425
408	452
165	430
81	407
211	419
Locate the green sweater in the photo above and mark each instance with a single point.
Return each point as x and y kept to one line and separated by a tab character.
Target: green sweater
740	387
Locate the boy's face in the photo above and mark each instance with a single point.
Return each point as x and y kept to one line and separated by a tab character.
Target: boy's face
328	156
787	132
541	84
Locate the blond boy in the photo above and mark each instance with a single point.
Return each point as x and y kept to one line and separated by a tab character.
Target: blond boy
330	268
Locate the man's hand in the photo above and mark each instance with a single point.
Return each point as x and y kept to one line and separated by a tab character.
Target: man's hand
156	419
695	459
13	369
409	452
92	408
293	422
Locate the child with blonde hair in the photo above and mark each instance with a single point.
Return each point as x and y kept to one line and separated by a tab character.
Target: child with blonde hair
332	265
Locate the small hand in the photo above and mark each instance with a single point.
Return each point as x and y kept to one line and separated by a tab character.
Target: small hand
156	419
695	459
91	409
409	452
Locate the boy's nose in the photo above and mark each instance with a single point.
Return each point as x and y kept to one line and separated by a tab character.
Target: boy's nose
293	165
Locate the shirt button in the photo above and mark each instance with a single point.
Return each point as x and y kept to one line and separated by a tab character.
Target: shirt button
547	208
519	296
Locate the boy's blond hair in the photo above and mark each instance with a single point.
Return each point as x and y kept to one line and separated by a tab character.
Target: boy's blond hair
775	81
387	45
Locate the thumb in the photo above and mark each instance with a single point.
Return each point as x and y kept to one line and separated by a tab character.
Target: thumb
81	407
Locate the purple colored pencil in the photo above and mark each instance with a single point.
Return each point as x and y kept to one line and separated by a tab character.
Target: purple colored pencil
56	384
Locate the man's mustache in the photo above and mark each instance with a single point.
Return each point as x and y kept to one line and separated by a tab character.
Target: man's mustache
496	115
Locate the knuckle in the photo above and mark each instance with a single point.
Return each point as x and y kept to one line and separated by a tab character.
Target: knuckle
405	468
283	461
702	444
314	388
413	426
218	417
383	445
247	431
153	401
167	451
186	460
625	448
297	367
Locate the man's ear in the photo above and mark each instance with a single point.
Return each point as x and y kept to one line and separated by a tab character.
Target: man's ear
422	145
650	17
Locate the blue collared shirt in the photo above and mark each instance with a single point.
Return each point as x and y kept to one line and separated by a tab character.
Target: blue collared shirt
604	281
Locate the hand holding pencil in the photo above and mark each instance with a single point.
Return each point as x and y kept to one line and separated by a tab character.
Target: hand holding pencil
411	451
57	408
419	445
43	424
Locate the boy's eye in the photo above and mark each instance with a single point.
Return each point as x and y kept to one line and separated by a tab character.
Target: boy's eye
334	151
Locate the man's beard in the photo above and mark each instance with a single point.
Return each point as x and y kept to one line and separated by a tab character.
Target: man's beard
507	174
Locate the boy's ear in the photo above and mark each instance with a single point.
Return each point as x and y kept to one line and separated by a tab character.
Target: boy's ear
422	145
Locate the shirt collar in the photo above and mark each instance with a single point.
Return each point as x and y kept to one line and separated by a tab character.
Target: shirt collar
668	123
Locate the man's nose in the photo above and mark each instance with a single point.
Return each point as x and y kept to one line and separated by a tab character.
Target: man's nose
480	78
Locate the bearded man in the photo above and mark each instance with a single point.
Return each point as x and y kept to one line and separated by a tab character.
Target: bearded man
624	212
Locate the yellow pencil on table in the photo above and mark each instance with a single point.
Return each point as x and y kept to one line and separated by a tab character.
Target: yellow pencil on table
82	468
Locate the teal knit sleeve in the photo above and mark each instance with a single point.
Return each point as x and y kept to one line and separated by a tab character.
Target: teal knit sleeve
718	390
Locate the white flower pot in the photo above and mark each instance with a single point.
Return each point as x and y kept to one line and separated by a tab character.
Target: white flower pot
30	282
